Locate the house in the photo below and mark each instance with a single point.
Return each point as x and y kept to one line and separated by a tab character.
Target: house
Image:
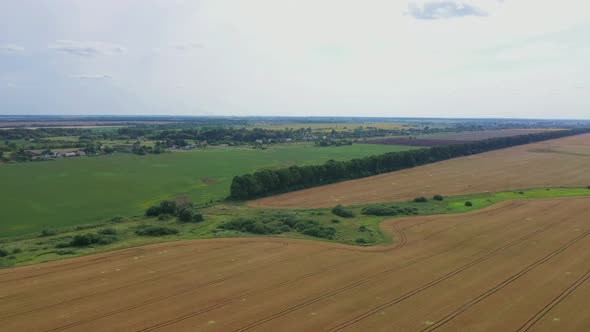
70	154
80	153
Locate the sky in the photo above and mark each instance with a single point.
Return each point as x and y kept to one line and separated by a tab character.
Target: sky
398	58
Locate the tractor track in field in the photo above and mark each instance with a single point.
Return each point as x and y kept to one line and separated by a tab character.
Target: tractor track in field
401	244
557	300
389	271
177	293
120	286
252	293
505	283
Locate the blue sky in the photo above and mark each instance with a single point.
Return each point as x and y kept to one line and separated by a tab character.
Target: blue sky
472	58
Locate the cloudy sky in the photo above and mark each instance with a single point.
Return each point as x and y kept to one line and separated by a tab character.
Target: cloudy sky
443	58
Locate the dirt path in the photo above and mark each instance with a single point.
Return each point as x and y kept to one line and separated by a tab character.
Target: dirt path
517	265
546	164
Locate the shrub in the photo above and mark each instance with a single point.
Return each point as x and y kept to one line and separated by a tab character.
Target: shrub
185	215
320	231
342	212
468	203
335	221
420	199
361	240
153	211
48	232
379	210
588	187
197	217
84	240
164	217
62	245
382	210
362	229
156	231
117	219
3	252
168	207
164	207
108	231
107	239
17	250
438	197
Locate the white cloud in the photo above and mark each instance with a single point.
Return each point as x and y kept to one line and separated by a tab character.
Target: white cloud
92	77
436	10
11	48
87	48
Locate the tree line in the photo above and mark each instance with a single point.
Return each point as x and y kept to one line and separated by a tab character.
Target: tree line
269	182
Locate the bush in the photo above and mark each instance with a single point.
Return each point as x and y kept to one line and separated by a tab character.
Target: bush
108	231
421	199
3	252
588	187
164	207
279	224
156	231
342	212
379	210
107	239
88	239
185	215
153	211
382	210
335	221
438	198
164	217
84	240
320	231
168	207
361	240
362	229
48	232
17	250
468	203
116	220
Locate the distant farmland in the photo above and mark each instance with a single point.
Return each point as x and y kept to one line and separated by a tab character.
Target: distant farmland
560	162
453	138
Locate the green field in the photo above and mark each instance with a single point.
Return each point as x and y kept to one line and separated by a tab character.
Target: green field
34	248
54	194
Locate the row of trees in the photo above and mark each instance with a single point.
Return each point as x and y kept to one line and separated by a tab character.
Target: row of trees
267	182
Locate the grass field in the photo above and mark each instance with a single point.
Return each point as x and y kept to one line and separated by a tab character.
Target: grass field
61	193
37	249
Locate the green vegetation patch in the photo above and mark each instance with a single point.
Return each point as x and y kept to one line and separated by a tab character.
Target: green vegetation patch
68	192
238	220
